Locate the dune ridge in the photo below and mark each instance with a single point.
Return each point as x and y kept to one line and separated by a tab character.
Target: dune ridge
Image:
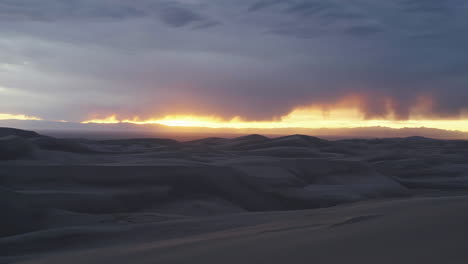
85	189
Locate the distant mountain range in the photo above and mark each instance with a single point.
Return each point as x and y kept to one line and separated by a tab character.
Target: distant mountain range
126	130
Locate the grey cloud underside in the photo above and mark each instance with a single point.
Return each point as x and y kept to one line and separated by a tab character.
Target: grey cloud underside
427	6
256	59
172	13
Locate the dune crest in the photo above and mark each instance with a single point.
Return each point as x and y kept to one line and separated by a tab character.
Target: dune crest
93	190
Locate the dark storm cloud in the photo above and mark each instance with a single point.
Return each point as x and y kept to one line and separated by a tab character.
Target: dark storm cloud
178	16
364	30
312	18
426	6
306	8
51	10
256	59
263	4
302	7
172	13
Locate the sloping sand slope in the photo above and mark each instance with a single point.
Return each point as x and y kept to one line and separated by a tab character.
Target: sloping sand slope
220	200
424	230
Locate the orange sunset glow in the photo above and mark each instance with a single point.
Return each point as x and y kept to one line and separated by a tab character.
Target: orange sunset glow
4	116
345	114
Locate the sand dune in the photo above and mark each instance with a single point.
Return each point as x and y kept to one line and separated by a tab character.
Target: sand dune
230	199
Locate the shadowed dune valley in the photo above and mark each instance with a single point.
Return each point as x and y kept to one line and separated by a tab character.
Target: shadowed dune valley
247	199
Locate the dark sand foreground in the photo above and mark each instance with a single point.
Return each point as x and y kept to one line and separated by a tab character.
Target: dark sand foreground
418	230
252	199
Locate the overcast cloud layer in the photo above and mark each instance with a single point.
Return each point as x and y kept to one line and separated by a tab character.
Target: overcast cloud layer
67	59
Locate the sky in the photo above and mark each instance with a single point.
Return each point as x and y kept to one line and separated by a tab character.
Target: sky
236	62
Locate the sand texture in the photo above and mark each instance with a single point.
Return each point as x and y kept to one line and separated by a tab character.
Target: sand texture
251	199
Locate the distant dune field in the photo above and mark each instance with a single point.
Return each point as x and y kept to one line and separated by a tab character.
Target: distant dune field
248	199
